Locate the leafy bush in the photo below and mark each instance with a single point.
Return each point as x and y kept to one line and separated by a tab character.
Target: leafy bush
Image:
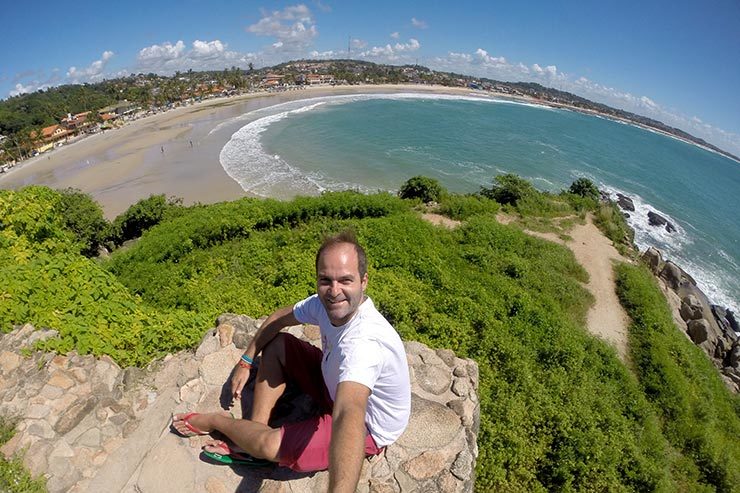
422	188
141	216
84	217
699	416
509	189
585	188
462	207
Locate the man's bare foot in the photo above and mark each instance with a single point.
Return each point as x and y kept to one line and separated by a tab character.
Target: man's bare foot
192	424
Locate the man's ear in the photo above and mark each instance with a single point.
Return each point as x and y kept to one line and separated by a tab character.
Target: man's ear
364	281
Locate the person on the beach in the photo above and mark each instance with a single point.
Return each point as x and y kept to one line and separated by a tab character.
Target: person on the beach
360	380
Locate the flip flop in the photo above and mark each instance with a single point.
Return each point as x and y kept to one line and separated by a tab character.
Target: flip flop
195	431
235	458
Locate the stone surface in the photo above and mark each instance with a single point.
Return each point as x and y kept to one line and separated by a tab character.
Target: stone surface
95	427
698	330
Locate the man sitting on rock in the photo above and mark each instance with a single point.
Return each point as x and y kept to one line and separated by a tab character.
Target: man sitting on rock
360	380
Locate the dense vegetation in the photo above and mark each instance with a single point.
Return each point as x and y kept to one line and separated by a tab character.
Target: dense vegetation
698	416
559	411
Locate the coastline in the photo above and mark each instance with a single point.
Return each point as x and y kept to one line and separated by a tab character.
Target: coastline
153	155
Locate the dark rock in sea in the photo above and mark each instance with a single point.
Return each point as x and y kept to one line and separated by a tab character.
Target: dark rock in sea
625	202
626	214
604	196
655	219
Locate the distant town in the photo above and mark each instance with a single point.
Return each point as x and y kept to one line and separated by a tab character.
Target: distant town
32	124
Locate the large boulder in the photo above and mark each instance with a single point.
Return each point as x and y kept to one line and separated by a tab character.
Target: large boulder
653	259
691	308
699	330
672	275
92	426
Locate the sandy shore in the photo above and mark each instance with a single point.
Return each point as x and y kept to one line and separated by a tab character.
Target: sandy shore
153	155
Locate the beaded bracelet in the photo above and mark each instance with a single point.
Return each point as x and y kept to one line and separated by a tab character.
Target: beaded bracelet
247	359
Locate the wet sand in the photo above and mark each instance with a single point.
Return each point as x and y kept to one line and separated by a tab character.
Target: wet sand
153	155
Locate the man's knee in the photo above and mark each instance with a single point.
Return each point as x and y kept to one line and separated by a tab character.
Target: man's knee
267	444
275	349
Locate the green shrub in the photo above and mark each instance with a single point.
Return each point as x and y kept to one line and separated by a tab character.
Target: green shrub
509	189
610	220
141	216
84	217
585	188
462	207
422	188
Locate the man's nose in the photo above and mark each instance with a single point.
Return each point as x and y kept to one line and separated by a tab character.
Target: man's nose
334	289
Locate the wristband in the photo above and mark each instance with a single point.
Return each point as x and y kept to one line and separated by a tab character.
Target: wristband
247	359
244	364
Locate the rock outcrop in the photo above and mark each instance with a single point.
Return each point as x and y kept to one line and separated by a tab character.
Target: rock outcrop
708	326
89	425
625	202
655	219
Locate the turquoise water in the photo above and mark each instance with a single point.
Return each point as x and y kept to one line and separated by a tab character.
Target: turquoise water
376	142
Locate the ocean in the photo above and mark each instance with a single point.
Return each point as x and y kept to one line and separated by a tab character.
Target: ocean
376	142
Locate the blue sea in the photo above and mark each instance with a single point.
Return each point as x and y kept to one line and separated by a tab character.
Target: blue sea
376	142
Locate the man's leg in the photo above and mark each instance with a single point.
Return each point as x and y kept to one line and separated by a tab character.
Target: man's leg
270	382
257	439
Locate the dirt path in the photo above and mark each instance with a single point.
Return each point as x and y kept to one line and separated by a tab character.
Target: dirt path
606	318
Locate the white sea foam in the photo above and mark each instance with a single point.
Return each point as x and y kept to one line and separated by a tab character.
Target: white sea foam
673	245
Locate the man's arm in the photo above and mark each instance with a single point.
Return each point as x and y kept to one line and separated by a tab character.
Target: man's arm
278	320
347	447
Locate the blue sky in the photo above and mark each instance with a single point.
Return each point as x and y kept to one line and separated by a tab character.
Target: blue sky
676	61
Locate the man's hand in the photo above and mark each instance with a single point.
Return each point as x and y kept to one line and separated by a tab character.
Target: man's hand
347	447
238	380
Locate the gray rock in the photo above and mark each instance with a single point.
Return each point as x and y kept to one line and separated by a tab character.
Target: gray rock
698	330
433	379
75	414
672	275
691	308
625	202
431	425
653	258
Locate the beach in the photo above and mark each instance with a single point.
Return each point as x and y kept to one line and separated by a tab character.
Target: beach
154	155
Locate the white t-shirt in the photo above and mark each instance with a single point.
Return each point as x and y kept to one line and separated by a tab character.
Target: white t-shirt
366	350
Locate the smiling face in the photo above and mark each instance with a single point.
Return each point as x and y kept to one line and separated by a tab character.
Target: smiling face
339	284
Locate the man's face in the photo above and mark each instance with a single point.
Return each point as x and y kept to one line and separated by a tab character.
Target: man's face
338	282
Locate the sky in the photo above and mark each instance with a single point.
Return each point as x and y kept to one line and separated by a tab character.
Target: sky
676	61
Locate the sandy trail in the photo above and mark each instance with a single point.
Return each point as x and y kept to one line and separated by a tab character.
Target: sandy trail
606	318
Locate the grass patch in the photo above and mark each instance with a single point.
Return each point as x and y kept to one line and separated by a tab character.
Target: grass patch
14	477
699	416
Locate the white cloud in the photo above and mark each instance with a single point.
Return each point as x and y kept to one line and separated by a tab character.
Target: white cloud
93	73
483	57
202	55
21	89
207	49
165	51
395	54
358	43
419	24
322	6
326	54
293	27
395	35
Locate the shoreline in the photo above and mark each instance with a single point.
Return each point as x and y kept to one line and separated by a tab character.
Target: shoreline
153	154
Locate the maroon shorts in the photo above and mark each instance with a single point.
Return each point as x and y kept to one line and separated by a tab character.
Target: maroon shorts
304	446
